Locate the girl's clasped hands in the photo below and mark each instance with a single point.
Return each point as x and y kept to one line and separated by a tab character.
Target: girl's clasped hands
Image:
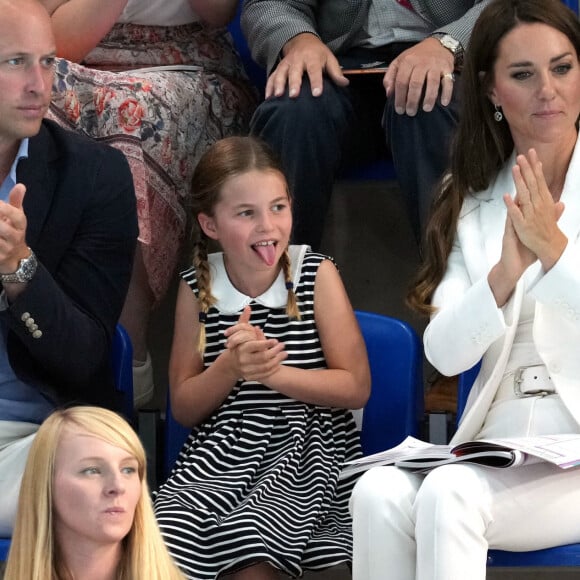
256	356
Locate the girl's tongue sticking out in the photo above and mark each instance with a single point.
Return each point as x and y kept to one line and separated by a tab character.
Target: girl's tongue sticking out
266	251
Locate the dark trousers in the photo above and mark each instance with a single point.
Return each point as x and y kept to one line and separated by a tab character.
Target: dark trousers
315	136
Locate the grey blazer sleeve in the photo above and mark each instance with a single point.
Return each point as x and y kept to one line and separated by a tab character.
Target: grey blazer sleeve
454	18
269	24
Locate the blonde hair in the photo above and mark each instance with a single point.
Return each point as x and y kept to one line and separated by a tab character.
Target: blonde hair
34	554
225	159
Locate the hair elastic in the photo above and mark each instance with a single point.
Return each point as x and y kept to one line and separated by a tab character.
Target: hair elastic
202	317
289	286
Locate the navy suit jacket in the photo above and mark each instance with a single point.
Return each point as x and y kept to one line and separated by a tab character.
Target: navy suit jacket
82	225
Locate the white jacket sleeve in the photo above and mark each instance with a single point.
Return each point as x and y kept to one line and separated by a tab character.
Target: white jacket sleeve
467	320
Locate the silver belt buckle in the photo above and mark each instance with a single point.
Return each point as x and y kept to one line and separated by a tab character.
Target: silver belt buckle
533	381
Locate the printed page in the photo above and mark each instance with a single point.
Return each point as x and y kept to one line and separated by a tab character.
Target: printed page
561	450
407	448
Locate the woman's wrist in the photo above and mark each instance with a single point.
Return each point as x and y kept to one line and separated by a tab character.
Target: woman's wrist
502	284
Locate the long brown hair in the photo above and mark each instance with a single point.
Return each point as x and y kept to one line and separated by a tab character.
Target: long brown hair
224	160
481	145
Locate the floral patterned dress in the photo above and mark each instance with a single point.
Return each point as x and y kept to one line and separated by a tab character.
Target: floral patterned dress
190	92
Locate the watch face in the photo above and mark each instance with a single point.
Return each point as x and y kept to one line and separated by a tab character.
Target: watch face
27	268
25	272
450	43
455	48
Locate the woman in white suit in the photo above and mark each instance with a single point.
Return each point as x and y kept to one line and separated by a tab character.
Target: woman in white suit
501	281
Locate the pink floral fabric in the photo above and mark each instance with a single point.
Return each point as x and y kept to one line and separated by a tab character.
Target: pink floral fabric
162	120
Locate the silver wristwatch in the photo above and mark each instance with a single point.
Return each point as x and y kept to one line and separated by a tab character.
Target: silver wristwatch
455	47
24	273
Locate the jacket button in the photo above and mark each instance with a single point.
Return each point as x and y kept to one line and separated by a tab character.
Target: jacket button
29	321
25	316
37	334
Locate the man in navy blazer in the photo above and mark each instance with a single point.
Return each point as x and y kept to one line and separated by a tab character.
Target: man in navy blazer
316	118
68	229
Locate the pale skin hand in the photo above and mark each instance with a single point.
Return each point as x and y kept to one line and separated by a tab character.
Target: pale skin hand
531	231
346	381
256	356
196	391
422	65
305	53
13	246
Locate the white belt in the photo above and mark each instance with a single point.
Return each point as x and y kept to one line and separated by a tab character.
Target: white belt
533	381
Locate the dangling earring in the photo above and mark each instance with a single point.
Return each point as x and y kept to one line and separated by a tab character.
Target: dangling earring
498	115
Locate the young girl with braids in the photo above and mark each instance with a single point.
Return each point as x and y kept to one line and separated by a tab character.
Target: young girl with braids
267	358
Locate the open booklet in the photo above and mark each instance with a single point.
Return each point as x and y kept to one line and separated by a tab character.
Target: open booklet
561	450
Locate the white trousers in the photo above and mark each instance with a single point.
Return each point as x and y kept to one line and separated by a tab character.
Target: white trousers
439	526
15	441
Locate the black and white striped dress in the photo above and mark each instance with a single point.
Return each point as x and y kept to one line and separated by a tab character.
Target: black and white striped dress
258	480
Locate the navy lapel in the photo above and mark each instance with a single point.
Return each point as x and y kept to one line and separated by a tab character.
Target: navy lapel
38	173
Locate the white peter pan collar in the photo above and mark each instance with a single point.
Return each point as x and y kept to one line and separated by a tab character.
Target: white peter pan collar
229	300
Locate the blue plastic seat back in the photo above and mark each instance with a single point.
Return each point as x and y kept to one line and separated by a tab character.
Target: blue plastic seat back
395	407
122	361
255	72
573	4
466	380
175	436
4	547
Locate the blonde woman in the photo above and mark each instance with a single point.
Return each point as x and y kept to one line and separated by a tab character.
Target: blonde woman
84	509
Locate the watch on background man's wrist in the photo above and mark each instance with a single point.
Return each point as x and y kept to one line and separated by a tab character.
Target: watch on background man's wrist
24	273
454	47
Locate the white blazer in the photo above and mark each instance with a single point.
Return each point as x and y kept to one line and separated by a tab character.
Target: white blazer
469	326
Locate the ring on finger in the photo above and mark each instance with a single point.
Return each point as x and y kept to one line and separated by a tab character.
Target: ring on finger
448	75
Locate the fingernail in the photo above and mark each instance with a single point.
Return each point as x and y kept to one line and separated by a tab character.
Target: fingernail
316	92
